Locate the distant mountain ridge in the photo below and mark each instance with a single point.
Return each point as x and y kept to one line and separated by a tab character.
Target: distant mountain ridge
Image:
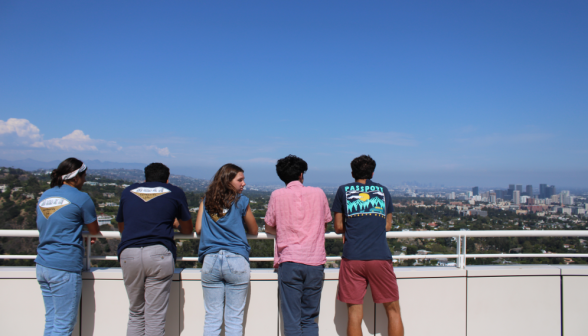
30	164
137	176
131	172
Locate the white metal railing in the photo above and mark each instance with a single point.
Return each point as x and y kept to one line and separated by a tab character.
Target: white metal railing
460	236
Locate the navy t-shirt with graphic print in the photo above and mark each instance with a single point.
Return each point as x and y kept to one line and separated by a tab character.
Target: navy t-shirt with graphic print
364	207
148	210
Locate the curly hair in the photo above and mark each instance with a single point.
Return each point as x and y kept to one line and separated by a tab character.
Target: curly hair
220	194
290	168
362	167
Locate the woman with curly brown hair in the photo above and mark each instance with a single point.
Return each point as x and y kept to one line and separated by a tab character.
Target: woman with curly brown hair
223	221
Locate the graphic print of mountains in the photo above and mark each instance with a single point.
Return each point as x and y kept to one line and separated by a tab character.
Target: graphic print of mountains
363	205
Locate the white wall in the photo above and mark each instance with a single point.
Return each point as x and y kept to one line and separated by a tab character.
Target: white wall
487	300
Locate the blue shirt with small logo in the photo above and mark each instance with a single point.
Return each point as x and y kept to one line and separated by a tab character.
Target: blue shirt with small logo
61	215
227	233
365	207
148	210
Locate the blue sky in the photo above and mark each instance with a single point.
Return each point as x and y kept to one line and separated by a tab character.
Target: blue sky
447	92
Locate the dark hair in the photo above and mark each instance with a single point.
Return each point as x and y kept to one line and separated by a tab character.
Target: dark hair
362	167
290	168
156	172
220	194
65	167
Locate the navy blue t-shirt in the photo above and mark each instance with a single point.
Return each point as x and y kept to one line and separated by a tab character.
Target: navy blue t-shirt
364	207
148	210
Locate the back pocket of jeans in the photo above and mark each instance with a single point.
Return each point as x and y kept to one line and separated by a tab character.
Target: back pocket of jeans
237	264
208	264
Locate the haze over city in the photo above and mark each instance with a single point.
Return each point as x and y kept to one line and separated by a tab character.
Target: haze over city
455	93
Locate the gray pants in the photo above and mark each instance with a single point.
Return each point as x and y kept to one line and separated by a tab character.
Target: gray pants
147	272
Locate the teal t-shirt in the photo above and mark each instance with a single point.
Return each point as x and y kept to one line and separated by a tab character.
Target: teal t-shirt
61	215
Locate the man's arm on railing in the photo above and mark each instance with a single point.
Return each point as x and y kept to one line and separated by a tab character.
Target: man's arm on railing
121	226
270	229
94	229
388	222
185	226
339	224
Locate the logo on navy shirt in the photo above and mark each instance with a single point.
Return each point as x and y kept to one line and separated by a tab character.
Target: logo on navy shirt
147	194
365	200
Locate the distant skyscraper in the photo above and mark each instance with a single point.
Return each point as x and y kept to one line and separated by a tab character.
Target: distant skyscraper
476	191
511	188
519	188
543	191
529	190
516	197
500	194
550	191
492	197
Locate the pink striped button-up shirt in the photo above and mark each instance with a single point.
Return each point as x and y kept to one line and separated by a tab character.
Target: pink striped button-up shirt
299	215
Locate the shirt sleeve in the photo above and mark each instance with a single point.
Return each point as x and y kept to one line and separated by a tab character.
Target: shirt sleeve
270	214
88	211
326	209
389	206
338	202
119	216
183	211
243	203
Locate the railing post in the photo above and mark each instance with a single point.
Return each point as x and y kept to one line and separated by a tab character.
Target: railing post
463	254
88	253
458	251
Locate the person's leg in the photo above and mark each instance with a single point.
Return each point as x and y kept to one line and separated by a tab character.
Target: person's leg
354	318
66	290
395	326
47	299
290	282
351	290
158	263
213	290
382	280
236	273
134	278
311	299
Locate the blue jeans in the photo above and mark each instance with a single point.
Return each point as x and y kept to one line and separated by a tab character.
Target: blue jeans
300	297
61	293
225	281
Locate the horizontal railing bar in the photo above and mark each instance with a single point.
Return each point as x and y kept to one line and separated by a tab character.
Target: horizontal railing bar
529	255
15	256
332	235
397	257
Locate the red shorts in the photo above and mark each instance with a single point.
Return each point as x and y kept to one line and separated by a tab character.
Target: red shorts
355	275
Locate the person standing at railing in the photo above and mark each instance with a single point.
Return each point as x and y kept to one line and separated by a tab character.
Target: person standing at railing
147	250
62	212
363	213
224	219
298	216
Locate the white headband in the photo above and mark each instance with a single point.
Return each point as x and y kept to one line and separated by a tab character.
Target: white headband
74	173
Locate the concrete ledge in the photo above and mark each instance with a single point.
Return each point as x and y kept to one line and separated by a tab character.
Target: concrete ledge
514	270
479	300
115	273
428	272
573	269
18	272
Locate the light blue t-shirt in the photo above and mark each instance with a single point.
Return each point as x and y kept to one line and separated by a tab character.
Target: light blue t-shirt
61	215
228	233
